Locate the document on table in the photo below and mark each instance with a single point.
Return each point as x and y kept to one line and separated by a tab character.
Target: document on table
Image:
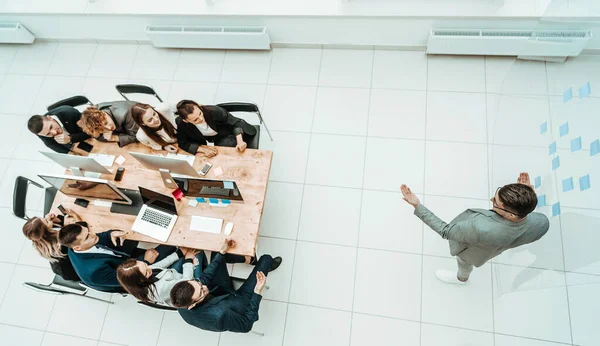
103	159
189	158
206	224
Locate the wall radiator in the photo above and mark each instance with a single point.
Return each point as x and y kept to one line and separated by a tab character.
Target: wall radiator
210	37
11	32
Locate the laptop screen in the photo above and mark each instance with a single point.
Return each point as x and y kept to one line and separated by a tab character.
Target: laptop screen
158	200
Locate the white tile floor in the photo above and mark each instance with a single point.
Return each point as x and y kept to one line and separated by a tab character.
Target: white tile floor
349	126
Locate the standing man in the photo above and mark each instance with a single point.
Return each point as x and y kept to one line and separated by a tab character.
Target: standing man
478	235
58	128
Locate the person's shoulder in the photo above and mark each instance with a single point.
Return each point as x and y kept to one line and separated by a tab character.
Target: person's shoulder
539	219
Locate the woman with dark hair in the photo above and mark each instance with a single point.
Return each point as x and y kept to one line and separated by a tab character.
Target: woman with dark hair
43	232
157	127
153	283
199	125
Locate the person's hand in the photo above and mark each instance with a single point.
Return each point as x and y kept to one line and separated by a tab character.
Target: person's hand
195	261
52	217
241	146
189	253
72	214
120	235
261	280
410	197
207	151
62	138
524	179
171	148
110	137
227	244
151	255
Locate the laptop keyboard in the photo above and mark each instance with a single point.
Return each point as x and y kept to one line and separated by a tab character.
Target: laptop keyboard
156	218
218	191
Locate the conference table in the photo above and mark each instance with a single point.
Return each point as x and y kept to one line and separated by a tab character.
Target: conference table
250	170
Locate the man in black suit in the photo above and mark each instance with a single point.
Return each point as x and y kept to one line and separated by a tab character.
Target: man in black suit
58	128
212	304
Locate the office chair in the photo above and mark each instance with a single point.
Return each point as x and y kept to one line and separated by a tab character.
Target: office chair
136	89
72	101
58	284
249	108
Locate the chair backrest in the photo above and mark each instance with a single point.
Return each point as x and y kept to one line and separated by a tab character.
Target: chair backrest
72	101
20	196
158	306
136	89
239	107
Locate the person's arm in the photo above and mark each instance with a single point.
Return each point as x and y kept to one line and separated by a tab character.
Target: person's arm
167	261
130	129
185	141
209	273
79	137
463	231
240	323
54	145
73	116
222	116
145	140
105	276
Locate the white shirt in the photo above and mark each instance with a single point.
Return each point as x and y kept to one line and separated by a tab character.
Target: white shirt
62	127
95	249
206	130
166	110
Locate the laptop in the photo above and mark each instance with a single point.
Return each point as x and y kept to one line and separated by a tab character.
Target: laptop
157	216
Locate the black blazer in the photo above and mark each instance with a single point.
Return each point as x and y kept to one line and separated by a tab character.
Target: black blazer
230	311
69	117
63	266
190	138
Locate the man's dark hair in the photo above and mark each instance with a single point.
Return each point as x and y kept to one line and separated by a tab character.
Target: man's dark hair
35	124
68	234
181	294
518	198
185	108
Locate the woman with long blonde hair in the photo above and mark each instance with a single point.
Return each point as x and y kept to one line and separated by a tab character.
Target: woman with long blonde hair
43	233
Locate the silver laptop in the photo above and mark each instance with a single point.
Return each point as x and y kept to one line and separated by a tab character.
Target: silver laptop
157	216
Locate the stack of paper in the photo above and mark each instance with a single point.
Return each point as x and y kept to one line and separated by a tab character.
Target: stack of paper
206	224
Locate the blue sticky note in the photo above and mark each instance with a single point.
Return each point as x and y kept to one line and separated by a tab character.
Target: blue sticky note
567	95
584	182
556	209
228	185
564	129
552	148
213	200
555	163
200	200
538	181
544	127
225	201
585	90
567	184
595	147
575	144
541	201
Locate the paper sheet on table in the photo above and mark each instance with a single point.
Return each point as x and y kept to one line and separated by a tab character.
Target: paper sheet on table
103	159
102	203
189	158
120	160
206	224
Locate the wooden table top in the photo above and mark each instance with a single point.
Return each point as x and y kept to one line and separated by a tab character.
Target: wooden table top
250	170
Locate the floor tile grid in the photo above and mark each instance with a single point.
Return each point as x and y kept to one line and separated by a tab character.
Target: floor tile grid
361	200
300	212
555	173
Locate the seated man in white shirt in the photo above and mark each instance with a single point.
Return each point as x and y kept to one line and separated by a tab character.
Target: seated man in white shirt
96	257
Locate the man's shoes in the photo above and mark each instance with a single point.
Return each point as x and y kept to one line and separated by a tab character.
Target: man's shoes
449	276
275	263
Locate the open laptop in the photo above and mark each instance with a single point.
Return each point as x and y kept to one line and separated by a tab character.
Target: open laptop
157	216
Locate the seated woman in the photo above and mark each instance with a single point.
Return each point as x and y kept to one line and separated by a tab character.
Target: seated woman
110	123
197	125
43	232
153	283
157	126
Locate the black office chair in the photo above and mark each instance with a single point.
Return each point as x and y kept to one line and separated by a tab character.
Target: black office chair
58	284
72	101
156	306
249	108
136	89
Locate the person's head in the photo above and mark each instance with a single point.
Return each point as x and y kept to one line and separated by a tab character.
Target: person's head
136	278
514	201
151	121
186	294
44	239
44	126
77	237
95	122
190	112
